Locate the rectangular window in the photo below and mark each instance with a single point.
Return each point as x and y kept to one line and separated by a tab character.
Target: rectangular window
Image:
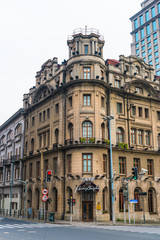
40	140
148	29
136	163
25	172
137	51
86	49
155	41
153	12
40	117
147	16
135	23
69	163
140	139
133	110
156	54
104	163
33	120
87	100
70	102
156	60
119	107
150	62
44	115
149	51
148	38
87	73
136	37
55	160
154	25
87	162
156	47
158	7
56	108
149	44
117	82
142	42
142	33
141	20
30	170
146	110
38	169
133	136
157	66
150	57
143	54
143	48
48	113
154	35
140	112
158	73
122	165
150	167
158	115
147	137
137	45
102	102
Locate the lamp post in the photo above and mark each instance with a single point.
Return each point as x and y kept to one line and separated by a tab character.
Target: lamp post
109	118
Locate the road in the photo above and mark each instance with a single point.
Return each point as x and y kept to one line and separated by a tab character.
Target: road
11	229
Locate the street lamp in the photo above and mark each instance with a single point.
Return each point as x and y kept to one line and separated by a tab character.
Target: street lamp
109	118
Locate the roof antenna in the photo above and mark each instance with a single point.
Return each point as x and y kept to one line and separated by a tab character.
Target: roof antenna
85	29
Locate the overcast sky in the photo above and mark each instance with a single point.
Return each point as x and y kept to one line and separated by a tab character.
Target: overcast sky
33	31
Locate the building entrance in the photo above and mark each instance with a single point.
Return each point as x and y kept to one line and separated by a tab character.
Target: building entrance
87	206
87	211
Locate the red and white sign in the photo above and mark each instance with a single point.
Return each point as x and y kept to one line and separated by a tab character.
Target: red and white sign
45	191
45	198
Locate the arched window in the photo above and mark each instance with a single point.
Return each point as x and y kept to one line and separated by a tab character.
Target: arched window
102	131
158	141
70	128
152	200
9	135
120	133
55	199
56	136
32	144
37	198
29	198
138	206
87	129
121	208
18	129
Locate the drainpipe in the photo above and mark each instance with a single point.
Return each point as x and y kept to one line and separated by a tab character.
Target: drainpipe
64	158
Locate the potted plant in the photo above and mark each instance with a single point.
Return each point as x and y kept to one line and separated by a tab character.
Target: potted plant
106	141
91	140
83	139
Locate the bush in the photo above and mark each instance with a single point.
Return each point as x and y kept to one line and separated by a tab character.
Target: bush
123	145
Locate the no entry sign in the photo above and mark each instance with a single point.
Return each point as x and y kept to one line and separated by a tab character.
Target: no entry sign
45	191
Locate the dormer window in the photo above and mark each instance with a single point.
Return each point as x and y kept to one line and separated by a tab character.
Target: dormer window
137	69
139	90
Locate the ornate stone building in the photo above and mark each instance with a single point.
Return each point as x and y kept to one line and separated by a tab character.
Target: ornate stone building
11	155
65	132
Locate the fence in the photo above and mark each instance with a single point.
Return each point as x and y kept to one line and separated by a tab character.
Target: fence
36	215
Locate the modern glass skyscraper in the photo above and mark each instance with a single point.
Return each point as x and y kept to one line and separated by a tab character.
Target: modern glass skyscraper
146	33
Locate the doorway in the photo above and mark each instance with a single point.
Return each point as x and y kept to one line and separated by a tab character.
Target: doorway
87	211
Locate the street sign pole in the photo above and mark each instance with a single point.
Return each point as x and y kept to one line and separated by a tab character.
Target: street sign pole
129	218
134	205
71	212
143	211
124	209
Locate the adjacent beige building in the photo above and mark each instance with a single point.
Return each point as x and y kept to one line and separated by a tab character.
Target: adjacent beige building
65	132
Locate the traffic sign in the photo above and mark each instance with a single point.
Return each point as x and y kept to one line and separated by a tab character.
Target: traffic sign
45	198
45	191
133	201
